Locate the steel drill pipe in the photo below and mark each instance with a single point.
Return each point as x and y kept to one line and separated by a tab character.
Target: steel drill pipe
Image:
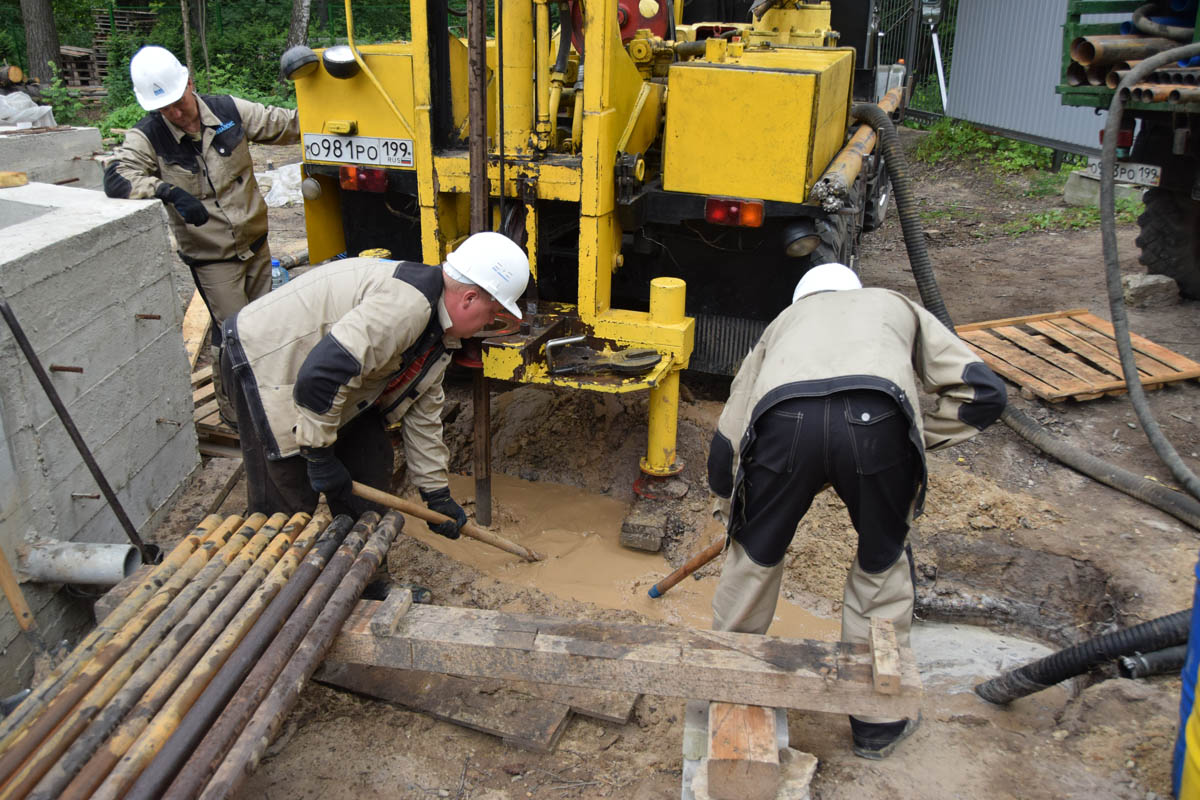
25	740
1184	94
105	630
1077	74
196	721
1088	50
835	184
106	687
1094	74
243	757
152	721
162	660
207	756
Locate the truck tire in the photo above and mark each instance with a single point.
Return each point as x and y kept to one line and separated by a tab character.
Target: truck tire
835	241
1170	238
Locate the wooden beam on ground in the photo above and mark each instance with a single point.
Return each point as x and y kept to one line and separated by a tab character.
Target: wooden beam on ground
743	756
885	656
196	322
649	659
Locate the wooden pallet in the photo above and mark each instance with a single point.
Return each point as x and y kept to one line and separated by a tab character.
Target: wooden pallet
216	438
1070	354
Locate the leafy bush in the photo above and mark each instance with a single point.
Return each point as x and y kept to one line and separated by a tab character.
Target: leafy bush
1075	218
124	117
68	110
951	139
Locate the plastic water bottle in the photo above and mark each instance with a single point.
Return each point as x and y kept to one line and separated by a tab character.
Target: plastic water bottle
279	275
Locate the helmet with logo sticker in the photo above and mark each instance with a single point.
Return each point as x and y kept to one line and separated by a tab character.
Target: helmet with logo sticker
494	263
158	77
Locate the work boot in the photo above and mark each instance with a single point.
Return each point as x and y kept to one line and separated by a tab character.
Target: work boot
877	740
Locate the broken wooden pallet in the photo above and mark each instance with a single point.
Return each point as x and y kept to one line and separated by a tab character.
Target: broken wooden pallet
216	438
1070	354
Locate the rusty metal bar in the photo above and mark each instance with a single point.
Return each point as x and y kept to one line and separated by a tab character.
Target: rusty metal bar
244	756
191	728
835	184
481	403
26	740
207	756
153	720
107	685
104	631
1088	50
214	596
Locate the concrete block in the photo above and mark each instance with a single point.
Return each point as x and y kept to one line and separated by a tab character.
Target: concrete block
1150	291
643	529
54	156
1083	190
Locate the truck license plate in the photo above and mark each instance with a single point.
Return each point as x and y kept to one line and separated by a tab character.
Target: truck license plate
358	150
1125	172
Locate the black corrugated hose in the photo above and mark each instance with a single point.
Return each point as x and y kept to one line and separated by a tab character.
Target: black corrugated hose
1149	27
1156	634
1160	662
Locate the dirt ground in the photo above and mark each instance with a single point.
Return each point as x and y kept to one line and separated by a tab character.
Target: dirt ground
1009	539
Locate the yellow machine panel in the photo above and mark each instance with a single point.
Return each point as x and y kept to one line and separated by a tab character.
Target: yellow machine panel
728	131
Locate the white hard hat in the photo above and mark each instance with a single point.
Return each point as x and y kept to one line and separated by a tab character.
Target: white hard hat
826	278
494	263
158	77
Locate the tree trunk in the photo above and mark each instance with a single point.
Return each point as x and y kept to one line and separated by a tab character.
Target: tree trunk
185	13
202	28
41	38
298	32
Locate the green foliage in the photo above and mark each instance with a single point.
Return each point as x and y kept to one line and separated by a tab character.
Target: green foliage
124	117
68	110
226	78
951	139
1073	218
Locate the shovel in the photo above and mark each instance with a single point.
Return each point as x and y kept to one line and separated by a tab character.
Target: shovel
420	512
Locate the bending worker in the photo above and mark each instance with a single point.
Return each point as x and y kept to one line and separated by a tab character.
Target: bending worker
828	396
191	151
319	368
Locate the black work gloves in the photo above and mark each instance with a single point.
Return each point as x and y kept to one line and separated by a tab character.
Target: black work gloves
191	209
326	472
439	500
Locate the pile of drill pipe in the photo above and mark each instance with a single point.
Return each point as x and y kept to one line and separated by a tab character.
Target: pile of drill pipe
214	644
1104	60
1161	93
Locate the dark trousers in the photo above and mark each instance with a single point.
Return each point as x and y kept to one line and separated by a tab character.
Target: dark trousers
857	441
363	445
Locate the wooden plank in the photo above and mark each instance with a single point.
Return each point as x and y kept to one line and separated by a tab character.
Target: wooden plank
647	659
196	322
1146	365
520	720
204	394
214	450
1069	362
743	756
205	411
975	326
1100	357
391	611
1012	363
201	376
885	656
1170	358
596	703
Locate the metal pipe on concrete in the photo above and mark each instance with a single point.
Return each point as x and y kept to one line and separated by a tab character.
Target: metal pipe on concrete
246	752
1089	50
26	739
156	717
207	756
192	727
100	635
52	561
159	662
107	685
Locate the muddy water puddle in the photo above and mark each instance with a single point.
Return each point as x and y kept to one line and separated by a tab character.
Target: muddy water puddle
579	533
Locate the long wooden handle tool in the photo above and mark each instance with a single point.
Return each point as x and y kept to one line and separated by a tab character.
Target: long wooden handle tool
694	563
421	512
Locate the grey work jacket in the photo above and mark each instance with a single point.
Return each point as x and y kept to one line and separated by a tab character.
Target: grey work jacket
857	339
217	170
326	346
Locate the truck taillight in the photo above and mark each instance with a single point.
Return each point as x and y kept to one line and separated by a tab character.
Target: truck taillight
361	179
1124	137
743	213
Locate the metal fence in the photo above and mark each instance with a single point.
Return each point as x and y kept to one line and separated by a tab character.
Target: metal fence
919	32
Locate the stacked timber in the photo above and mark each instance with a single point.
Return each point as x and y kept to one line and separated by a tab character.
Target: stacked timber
177	691
109	20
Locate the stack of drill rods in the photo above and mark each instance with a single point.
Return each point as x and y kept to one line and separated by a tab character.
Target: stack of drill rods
26	759
145	728
16	721
220	600
244	755
200	715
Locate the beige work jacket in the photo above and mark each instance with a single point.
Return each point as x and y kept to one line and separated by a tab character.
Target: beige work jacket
217	170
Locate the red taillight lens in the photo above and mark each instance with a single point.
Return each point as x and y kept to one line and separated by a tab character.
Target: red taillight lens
743	213
361	179
1124	137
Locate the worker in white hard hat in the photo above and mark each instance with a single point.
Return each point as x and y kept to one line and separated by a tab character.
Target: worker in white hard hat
322	367
828	396
191	151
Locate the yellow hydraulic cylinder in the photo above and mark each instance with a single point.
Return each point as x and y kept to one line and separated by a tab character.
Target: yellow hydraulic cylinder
542	58
516	71
114	678
151	735
100	635
667	296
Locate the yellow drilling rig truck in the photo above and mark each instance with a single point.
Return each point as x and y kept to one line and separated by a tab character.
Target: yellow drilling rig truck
670	174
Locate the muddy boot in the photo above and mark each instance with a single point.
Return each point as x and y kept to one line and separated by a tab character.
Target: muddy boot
224	405
877	740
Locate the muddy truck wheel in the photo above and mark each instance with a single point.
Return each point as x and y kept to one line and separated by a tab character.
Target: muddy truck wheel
1170	238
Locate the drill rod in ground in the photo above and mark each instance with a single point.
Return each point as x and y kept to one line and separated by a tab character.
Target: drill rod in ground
420	512
694	563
